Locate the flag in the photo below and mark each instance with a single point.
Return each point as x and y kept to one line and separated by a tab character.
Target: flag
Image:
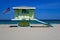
6	10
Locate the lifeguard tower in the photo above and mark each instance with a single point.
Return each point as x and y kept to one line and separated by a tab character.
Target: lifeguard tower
24	15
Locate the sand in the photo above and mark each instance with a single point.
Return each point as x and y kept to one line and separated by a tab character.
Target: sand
26	33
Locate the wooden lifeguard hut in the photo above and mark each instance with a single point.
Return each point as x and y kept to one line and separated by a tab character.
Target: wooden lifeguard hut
24	14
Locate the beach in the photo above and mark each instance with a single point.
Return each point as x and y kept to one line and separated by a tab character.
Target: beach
26	33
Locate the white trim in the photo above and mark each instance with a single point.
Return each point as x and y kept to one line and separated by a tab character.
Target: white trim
19	19
24	8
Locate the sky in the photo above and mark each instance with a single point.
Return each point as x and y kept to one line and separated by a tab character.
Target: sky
45	9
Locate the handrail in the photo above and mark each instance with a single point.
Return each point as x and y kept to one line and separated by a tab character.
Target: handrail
43	22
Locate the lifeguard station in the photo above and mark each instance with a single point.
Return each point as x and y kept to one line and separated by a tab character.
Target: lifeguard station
25	15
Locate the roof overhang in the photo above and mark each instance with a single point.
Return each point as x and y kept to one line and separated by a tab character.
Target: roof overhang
24	8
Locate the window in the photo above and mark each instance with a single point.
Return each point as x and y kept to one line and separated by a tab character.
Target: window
25	11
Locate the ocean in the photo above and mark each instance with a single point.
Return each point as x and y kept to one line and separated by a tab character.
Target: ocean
32	22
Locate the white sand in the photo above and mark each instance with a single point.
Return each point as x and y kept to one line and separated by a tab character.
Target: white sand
24	33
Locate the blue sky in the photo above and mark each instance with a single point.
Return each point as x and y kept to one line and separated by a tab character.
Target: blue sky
45	9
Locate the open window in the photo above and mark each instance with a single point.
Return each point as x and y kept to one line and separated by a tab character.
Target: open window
24	11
